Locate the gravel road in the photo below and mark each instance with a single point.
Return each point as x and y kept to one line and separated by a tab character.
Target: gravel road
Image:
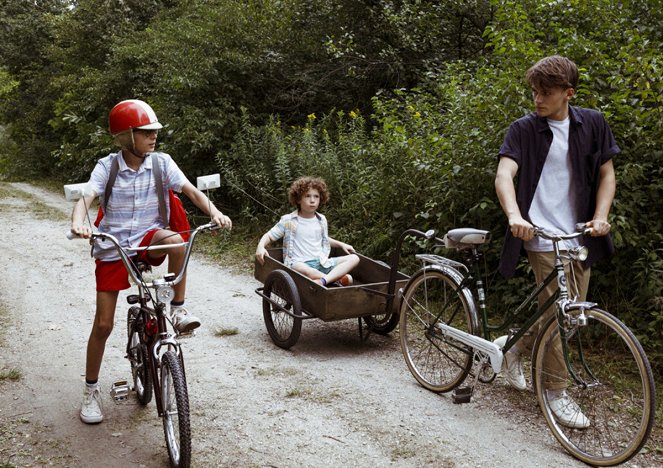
332	400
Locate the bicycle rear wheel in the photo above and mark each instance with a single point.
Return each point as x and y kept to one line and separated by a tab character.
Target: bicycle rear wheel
175	404
433	296
611	400
137	355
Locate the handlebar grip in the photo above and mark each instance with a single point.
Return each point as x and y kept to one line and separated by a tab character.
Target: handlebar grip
582	227
71	236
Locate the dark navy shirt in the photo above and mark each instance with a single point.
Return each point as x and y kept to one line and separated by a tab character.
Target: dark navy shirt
591	144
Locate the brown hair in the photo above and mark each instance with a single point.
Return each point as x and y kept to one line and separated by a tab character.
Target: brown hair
302	185
553	72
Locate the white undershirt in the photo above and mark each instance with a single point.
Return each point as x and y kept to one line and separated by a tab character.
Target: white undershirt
307	243
553	206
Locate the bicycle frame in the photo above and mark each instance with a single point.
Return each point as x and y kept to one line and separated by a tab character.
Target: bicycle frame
560	299
514	338
155	341
473	281
162	337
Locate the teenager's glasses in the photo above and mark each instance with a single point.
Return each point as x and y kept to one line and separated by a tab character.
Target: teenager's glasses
146	132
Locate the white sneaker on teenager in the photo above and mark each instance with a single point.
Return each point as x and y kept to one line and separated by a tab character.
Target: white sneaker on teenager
512	367
183	321
91	410
566	411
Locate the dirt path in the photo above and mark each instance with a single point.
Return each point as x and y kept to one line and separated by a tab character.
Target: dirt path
330	401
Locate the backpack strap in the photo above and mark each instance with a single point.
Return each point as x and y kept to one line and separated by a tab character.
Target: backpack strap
156	170
115	167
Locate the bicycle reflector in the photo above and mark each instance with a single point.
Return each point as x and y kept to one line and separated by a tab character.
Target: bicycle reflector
151	327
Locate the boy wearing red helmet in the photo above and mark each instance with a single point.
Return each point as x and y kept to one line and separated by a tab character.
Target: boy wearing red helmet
131	214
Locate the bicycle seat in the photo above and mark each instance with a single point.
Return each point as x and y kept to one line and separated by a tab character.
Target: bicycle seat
465	238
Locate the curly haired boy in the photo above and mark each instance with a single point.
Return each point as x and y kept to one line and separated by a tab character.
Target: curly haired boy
306	241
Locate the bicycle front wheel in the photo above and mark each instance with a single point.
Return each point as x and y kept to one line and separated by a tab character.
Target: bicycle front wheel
433	296
598	397
175	404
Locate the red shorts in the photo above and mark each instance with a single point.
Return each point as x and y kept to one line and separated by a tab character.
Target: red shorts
113	276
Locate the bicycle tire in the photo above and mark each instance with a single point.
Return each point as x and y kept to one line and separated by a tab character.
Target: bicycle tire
433	295
283	328
615	392
175	404
138	358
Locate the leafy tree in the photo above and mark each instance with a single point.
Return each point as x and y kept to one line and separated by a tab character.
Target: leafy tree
290	58
25	34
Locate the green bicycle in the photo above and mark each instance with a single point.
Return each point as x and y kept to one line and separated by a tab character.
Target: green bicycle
605	373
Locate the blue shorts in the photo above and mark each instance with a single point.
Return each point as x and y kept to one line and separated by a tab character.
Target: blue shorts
315	264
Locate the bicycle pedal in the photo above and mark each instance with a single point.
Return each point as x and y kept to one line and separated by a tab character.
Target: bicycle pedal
120	390
186	335
461	395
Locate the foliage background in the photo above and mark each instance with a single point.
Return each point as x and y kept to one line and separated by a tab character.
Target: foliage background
400	105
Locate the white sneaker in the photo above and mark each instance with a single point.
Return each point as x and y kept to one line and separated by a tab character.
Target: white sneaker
183	321
91	407
566	411
512	367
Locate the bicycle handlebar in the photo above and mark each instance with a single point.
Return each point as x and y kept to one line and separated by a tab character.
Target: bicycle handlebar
581	230
129	264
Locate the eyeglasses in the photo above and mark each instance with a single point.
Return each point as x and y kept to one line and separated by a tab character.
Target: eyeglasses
145	132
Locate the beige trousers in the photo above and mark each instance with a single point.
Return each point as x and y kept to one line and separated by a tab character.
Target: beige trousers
542	264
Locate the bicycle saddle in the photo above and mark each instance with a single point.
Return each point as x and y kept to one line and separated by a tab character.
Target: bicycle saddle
465	238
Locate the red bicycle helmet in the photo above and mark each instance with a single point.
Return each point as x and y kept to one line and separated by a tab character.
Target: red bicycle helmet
132	114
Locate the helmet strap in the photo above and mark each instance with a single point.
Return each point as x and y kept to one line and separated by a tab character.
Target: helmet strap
133	146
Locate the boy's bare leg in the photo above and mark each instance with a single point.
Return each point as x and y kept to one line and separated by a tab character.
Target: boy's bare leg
175	258
308	271
101	330
344	265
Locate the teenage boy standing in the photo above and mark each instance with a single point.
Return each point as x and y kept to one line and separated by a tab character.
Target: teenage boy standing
562	156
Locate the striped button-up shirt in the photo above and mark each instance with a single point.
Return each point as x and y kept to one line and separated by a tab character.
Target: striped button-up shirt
133	207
